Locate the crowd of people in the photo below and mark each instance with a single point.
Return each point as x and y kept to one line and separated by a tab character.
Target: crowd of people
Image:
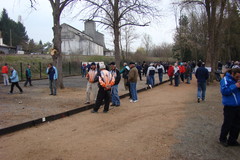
103	81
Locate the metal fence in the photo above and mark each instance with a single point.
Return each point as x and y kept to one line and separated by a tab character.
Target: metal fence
39	70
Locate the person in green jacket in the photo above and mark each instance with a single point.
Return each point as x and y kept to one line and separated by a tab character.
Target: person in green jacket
28	76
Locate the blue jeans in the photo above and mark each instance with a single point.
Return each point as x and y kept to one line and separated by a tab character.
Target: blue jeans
160	75
114	93
151	80
201	90
133	89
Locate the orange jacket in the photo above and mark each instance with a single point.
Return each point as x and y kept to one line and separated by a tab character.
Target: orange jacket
106	80
4	70
182	69
91	75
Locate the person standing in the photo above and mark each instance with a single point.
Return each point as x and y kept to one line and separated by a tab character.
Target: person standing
182	71
28	76
52	76
14	80
188	73
230	89
106	81
132	78
84	70
202	76
139	68
114	89
160	70
176	74
170	73
92	83
5	74
150	75
124	73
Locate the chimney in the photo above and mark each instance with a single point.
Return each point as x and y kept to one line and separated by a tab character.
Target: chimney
1	40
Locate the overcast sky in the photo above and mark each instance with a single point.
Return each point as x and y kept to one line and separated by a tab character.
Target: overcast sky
39	23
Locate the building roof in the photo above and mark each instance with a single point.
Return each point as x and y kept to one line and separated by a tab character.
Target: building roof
78	31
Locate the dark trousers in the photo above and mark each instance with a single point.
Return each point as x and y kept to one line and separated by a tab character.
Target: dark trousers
140	75
176	80
171	79
102	95
182	75
28	80
17	85
231	124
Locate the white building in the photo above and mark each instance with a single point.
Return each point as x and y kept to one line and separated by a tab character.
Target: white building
89	42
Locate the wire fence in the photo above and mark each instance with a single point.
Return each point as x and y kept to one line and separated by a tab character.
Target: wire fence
38	70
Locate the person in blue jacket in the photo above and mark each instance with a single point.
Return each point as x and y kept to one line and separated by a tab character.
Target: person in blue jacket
52	76
230	89
202	76
14	80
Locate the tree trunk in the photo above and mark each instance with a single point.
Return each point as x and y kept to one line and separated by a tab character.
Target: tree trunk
116	34
57	58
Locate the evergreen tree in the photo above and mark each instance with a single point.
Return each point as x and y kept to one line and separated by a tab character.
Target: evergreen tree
13	33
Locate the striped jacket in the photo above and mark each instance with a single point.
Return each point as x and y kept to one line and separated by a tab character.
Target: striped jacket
230	92
106	80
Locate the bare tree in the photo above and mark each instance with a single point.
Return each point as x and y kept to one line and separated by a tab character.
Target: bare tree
147	43
127	37
57	7
215	11
116	14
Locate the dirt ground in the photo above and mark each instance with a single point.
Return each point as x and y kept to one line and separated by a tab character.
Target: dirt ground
36	103
166	123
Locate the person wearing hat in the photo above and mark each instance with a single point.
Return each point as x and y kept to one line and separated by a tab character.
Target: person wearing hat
92	83
5	74
105	82
150	75
114	90
14	80
132	78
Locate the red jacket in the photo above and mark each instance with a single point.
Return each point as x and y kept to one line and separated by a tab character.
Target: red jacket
182	69
4	70
170	71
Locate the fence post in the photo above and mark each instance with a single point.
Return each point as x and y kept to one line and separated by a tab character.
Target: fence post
40	69
69	67
21	70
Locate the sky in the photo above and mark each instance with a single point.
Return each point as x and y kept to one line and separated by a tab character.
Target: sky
39	22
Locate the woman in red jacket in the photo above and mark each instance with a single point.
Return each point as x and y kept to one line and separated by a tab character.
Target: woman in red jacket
5	74
170	73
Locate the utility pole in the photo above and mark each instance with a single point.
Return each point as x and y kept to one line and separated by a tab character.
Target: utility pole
10	37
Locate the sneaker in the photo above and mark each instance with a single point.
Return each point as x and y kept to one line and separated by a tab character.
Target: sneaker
224	143
233	143
87	103
198	100
131	100
10	93
93	111
135	101
113	105
118	105
104	111
150	86
21	92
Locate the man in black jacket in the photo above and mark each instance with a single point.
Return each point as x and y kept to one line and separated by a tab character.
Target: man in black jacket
202	76
114	89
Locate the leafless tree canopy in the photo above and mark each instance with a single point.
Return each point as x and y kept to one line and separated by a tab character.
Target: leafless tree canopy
130	12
